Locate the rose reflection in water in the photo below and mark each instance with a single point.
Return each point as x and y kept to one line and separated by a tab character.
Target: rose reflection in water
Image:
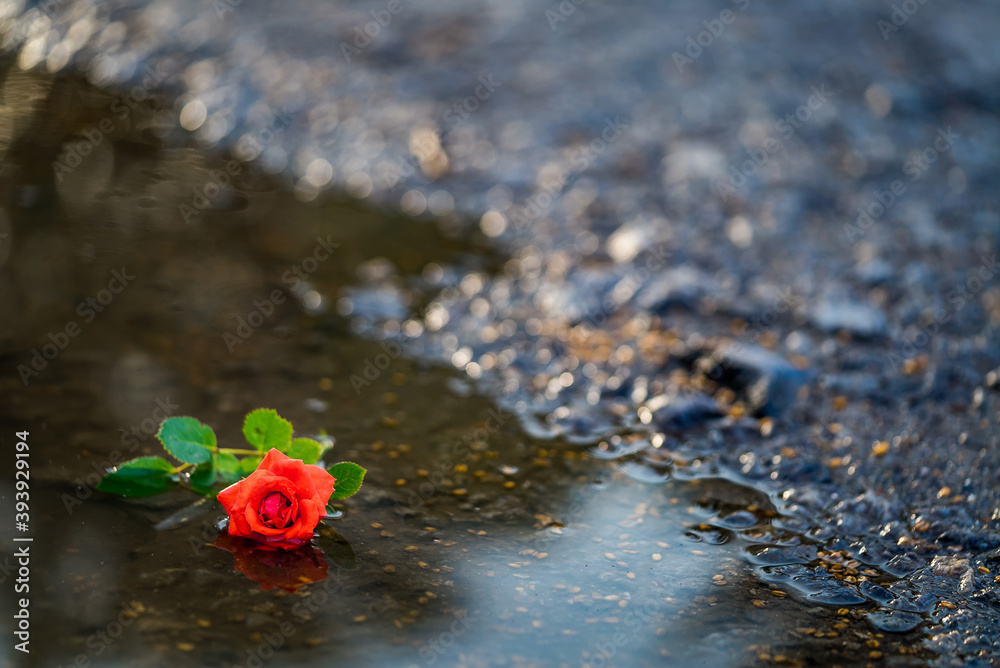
275	568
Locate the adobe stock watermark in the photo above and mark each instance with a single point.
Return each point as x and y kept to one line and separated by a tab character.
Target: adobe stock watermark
633	621
462	451
366	34
223	7
373	368
713	29
656	259
561	12
320	593
426	147
208	531
435	649
99	643
294	277
248	148
59	340
541	201
883	200
759	157
897	19
74	152
723	356
461	110
579	507
132	438
957	298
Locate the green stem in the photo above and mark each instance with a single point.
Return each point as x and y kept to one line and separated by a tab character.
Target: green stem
181	468
236	451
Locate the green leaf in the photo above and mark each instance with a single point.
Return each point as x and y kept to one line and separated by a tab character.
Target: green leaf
306	449
349	478
187	439
265	429
249	464
203	477
228	467
143	476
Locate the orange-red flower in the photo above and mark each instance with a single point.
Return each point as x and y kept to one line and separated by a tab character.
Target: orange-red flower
280	503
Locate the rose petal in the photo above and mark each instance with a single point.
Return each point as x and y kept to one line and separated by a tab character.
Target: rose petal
323	481
253	519
306	522
238	525
275	510
295	471
227	497
305	490
272	458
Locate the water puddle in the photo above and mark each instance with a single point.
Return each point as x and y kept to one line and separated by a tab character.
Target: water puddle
489	532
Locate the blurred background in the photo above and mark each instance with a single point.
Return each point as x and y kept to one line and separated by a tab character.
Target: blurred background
667	331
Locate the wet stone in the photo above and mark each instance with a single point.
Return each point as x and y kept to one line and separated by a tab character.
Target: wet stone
708	534
799	577
859	320
783	556
769	381
893	621
685	412
836	594
876	593
736	520
875	272
902	564
677	287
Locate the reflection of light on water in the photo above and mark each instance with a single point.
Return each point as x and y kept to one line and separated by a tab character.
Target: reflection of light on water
608	564
644	473
312	301
310	298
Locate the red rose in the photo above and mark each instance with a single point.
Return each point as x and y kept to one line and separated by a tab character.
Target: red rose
280	503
